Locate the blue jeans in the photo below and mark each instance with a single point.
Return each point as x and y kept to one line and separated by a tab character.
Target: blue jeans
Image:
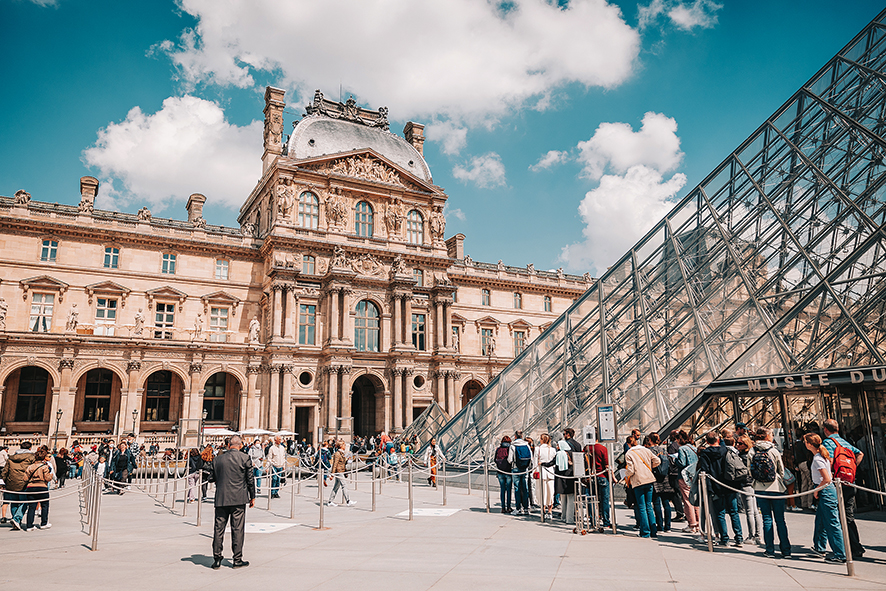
504	484
603	498
643	511
773	509
728	503
275	481
72	471
827	523
521	491
16	507
257	473
660	502
38	493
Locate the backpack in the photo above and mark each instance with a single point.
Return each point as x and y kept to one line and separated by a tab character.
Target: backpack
844	463
734	468
661	471
762	467
522	456
501	459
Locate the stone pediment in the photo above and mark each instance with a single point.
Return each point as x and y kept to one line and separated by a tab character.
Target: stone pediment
222	298
519	324
108	287
369	166
458	318
166	293
43	283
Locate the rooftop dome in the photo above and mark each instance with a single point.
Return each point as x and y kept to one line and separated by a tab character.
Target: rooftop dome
334	128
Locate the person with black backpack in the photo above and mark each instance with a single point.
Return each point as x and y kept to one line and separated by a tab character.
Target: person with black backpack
520	457
713	461
767	473
503	471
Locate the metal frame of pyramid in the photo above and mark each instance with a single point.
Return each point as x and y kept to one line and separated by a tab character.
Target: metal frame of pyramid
774	263
426	425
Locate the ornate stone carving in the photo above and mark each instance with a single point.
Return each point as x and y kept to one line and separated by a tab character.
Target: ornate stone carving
285	368
73	319
366	264
139	326
348	111
65	363
588	278
339	258
363	167
133	365
336	209
200	222
398	267
531	269
248	229
22	197
438	223
4	307
254	331
144	214
273	134
196	368
253	369
86	206
500	265
394	215
560	274
285	198
469	262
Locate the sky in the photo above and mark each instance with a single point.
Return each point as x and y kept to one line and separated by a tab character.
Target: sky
561	130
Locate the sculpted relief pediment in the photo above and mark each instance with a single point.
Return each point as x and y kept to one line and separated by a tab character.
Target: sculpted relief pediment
363	166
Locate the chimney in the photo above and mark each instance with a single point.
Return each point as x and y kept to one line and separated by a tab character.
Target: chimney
88	192
273	126
195	207
415	135
455	247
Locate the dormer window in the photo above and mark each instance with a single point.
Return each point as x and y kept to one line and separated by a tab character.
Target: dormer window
363	219
308	211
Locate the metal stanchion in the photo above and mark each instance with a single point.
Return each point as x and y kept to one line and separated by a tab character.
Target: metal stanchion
298	481
187	493
271	486
469	477
702	478
165	481
373	486
410	490
486	484
444	483
292	498
320	478
199	497
320	484
611	498
850	565
95	519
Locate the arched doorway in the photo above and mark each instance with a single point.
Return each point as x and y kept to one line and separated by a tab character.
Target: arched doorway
27	401
221	398
469	390
161	401
98	401
364	402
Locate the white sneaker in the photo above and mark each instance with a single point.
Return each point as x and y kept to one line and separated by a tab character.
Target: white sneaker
331	504
47	526
351	503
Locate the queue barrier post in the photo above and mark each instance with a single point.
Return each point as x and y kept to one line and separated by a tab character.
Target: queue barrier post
410	489
96	513
844	525
166	481
611	507
372	474
273	473
320	486
444	483
486	484
706	510
298	481
292	497
469	477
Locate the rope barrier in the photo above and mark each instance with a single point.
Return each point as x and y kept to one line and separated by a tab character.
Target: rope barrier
755	495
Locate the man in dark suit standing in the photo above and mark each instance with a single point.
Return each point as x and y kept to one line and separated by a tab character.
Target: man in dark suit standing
234	488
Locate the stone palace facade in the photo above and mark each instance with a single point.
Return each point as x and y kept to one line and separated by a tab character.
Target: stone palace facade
337	304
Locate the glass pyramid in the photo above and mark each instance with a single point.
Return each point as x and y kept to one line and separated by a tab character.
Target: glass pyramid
774	263
426	425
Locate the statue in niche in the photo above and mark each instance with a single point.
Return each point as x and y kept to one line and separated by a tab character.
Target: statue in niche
285	198
144	214
4	307
254	330
198	327
394	216
22	197
73	319
456	340
336	211
139	327
438	223
339	258
398	267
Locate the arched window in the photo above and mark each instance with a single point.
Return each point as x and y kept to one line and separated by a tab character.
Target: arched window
158	392
415	232
214	396
547	303
33	383
97	398
308	211
366	327
363	219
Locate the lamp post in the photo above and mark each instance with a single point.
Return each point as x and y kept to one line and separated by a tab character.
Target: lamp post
134	419
58	420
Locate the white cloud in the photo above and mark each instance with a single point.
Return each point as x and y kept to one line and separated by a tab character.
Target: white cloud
618	147
683	15
456	212
617	213
53	3
486	171
463	60
452	137
185	147
552	158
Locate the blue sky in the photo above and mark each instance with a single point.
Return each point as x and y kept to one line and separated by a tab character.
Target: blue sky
559	133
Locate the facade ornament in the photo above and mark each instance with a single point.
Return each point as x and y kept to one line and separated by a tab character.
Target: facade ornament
531	269
501	265
469	262
22	197
285	368
198	327
199	222
348	111
248	229
273	135
254	331
144	214
438	223
367	264
560	274
196	368
86	206
339	258
139	326
588	278
285	198
336	210
65	363
456	344
394	216
4	308
253	369
134	365
363	167
73	319
398	267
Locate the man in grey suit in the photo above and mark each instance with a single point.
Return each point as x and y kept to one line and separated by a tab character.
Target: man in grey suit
234	488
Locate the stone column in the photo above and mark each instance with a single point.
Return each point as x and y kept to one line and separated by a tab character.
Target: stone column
253	397
195	406
291	312
346	315
246	400
273	399
133	400
407	320
407	396
450	392
346	399
398	399
438	325
441	389
62	399
447	325
332	397
395	319
332	296
286	397
276	310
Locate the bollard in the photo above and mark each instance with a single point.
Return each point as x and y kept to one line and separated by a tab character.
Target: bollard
320	483
444	483
373	487
410	491
850	565
199	497
95	519
292	497
486	485
706	511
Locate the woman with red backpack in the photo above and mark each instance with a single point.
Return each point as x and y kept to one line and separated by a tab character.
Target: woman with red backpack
827	516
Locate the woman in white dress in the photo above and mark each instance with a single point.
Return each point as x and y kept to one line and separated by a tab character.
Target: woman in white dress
544	453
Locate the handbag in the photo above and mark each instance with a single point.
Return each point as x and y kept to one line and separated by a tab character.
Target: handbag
536	475
789	477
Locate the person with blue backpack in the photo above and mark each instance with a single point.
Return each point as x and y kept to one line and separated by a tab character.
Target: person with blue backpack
520	457
767	473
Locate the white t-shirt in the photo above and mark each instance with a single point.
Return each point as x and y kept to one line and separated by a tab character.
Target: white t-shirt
819	463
